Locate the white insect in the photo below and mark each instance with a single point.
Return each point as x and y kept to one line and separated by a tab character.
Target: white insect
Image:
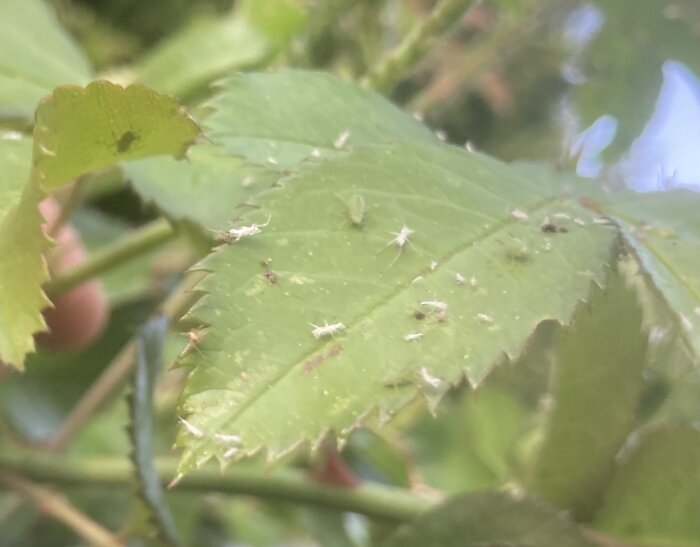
236	234
484	318
231	452
326	329
192	429
227	438
441	135
433	265
580	221
473	281
459	279
401	237
417	279
410	337
11	136
561	216
435	304
469	147
429	378
271	160
316	153
341	140
519	214
247	181
686	323
418	116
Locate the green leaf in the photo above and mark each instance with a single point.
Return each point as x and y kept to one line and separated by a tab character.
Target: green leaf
596	387
149	347
623	62
204	51
36	55
280	20
209	188
280	118
654	496
261	374
77	130
22	269
664	230
489	518
83	129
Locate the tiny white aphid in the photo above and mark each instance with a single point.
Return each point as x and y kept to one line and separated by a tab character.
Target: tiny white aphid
417	279
316	153
236	234
247	181
433	265
484	318
441	135
271	160
561	216
227	438
473	281
411	336
602	220
401	237
418	116
429	378
231	452
192	429
435	304
580	221
326	329
519	214
341	140
469	147
459	279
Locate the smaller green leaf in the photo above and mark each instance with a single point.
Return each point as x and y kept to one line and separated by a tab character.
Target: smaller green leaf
597	384
664	230
209	188
78	130
36	55
654	495
489	519
22	268
280	118
149	347
201	53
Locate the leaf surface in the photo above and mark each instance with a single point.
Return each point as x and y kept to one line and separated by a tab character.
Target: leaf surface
596	388
204	51
36	55
489	518
280	118
664	230
261	374
654	495
22	269
77	130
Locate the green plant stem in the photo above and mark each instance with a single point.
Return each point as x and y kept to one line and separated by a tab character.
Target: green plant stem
57	507
419	41
175	305
376	501
138	242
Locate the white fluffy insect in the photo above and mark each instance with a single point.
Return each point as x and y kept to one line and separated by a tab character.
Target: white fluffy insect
519	214
562	216
435	304
325	330
227	438
433	265
484	318
473	281
411	336
580	221
236	234
401	237
192	429
459	279
341	140
315	153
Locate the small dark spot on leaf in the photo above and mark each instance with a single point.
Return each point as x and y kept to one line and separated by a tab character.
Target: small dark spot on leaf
270	276
549	228
125	141
419	315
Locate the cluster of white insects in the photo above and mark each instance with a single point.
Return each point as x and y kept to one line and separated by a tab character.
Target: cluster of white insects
231	442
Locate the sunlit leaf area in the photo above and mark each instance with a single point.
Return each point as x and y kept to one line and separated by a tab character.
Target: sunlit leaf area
349	273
